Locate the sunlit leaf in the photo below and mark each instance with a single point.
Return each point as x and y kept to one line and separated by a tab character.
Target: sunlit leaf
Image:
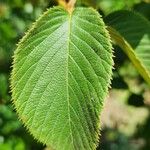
61	73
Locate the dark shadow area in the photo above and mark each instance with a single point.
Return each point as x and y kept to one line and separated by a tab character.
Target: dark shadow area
144	132
136	100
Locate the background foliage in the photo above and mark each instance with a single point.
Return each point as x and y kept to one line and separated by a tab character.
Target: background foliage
126	117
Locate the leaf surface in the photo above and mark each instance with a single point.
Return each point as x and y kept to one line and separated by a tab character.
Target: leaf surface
61	73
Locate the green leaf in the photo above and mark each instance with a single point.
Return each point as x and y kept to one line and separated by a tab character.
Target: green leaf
120	41
3	86
143	8
61	73
135	29
87	2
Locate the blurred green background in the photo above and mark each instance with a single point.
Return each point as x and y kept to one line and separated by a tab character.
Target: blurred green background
126	116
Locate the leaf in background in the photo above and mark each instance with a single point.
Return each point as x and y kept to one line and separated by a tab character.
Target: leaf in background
143	8
92	3
61	73
108	6
120	41
136	31
3	86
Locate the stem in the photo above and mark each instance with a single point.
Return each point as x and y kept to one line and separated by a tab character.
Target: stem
69	6
61	2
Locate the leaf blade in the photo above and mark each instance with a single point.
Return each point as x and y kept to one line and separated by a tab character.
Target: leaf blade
60	77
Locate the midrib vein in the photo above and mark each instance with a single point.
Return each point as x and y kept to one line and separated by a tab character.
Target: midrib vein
68	50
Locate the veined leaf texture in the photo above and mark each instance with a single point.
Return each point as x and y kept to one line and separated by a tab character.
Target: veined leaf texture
60	78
